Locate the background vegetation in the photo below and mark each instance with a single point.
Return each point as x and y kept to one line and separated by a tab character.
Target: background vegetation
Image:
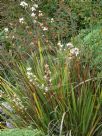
51	67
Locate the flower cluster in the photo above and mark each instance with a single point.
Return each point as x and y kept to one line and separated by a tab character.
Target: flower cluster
21	20
35	14
17	101
73	51
45	28
33	9
40	13
23	4
47	77
34	80
30	74
6	30
52	20
60	45
69	45
41	25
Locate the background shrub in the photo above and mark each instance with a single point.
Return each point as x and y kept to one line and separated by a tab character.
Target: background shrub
70	16
73	15
90	43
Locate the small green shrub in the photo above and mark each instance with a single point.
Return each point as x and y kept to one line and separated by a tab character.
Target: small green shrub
20	132
73	15
90	43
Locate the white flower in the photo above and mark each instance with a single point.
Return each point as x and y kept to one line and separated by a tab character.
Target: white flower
69	45
7	106
74	51
0	96
27	27
46	89
45	77
70	58
52	20
59	44
23	4
31	43
29	68
50	80
34	76
29	73
41	24
31	80
21	20
33	15
40	14
6	29
13	37
40	11
45	28
34	21
33	9
35	5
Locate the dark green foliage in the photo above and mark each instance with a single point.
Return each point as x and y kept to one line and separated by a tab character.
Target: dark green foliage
70	15
73	15
49	6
